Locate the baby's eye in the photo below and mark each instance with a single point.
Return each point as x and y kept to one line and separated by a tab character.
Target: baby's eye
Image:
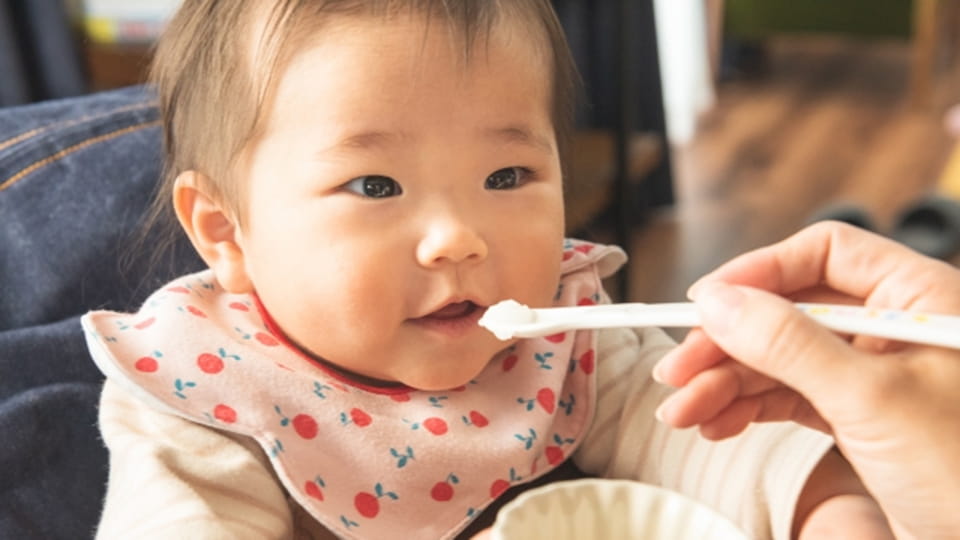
507	178
374	186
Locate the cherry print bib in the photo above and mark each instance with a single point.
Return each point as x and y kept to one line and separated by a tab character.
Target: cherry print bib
366	463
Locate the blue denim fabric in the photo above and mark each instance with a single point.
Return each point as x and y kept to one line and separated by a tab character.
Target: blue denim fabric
76	176
53	466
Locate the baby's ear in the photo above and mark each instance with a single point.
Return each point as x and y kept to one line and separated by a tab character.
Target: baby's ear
213	229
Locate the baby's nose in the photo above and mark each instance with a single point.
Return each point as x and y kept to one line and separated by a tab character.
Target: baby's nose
450	241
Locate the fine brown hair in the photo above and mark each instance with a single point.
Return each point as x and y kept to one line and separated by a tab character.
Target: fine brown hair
211	94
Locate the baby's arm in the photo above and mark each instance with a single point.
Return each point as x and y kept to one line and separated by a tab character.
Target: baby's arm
834	504
754	479
172	478
726	397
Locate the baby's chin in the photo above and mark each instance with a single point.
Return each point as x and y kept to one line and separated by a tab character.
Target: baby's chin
445	378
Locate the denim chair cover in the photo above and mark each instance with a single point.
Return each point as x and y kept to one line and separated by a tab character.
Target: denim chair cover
76	177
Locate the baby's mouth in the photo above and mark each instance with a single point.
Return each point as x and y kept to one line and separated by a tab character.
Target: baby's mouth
455	319
452	311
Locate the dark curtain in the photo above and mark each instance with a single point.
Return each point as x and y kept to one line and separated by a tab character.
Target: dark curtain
40	56
614	43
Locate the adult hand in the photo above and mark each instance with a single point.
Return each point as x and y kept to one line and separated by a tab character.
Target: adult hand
893	408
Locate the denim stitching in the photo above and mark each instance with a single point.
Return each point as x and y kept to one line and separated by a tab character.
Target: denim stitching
76	121
23	136
69	150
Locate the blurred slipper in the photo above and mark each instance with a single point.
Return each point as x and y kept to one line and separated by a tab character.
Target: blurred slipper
847	213
930	226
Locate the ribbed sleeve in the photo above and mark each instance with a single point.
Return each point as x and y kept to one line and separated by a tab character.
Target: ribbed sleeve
754	479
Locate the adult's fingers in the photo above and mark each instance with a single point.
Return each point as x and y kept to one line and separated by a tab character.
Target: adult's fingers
851	261
695	354
774	406
710	392
768	334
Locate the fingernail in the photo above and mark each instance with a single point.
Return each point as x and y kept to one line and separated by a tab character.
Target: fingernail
657	372
698	285
720	297
694	289
720	304
661	413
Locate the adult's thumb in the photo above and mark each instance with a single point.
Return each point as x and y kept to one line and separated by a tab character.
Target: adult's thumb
769	334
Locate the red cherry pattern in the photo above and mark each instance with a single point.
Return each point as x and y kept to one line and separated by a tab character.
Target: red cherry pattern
367	504
146	323
266	339
547	400
554	455
556	338
225	413
498	487
582	248
360	418
312	489
587	362
147	364
210	363
442	492
509	362
305	426
435	425
478	419
194	310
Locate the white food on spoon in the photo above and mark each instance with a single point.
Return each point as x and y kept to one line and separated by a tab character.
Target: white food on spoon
502	317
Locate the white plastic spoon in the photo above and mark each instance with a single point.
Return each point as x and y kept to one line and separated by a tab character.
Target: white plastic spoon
509	319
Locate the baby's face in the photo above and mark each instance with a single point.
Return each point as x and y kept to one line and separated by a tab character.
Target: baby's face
397	191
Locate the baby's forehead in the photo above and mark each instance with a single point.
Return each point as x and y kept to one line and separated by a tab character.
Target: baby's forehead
272	39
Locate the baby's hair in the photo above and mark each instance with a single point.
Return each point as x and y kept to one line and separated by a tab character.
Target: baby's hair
218	60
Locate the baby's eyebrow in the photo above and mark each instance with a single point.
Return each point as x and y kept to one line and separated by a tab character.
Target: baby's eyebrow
362	140
520	135
369	139
378	139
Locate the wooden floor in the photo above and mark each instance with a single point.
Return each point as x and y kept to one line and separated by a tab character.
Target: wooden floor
828	123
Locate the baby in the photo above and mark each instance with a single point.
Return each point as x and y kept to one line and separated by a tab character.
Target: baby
364	178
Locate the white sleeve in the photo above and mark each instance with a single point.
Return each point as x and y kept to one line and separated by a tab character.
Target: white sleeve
754	479
171	478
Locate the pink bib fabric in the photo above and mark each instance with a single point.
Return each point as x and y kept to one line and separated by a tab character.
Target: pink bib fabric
366	463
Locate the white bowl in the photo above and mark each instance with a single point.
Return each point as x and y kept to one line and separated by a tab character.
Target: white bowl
609	509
